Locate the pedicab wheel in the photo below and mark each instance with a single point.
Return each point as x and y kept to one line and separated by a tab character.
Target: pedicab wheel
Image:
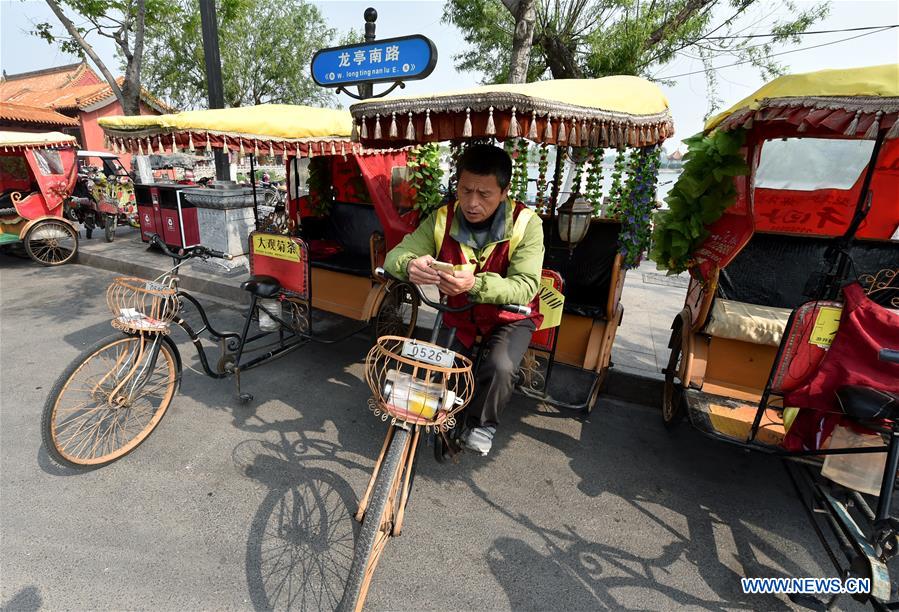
109	225
397	313
377	524
108	401
51	242
673	392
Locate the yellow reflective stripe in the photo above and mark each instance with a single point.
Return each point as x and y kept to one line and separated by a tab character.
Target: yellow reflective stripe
439	229
520	228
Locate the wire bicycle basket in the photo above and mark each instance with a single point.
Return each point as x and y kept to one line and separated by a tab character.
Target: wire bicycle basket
417	382
140	305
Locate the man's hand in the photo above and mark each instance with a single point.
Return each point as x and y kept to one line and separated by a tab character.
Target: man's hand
454	284
419	271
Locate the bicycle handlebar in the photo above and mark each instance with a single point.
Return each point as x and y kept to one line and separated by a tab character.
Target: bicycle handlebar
189	252
513	308
889	355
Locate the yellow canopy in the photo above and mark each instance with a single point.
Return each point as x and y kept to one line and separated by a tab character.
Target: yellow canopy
611	111
265	122
872	81
622	94
36	139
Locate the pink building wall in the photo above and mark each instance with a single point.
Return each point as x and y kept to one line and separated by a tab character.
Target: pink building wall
92	133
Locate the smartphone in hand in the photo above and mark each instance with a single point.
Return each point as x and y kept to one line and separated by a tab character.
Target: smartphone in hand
442	266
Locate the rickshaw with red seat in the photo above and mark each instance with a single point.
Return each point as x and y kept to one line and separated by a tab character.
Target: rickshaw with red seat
420	386
37	175
787	218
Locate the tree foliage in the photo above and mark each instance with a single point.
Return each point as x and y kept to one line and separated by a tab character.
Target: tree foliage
266	47
594	38
123	21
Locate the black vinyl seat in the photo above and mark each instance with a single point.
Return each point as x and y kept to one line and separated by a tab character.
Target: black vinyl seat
865	403
262	286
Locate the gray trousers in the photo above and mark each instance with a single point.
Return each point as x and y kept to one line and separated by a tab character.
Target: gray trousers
495	377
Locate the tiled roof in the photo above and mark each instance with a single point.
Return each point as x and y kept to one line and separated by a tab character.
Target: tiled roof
30	114
45	80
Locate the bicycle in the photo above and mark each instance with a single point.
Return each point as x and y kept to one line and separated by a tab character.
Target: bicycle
419	386
114	395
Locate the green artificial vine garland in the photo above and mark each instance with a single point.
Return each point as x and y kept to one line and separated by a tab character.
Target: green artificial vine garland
542	166
704	190
616	191
425	176
636	207
594	180
321	188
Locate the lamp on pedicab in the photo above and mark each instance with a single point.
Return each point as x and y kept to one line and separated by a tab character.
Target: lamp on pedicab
573	220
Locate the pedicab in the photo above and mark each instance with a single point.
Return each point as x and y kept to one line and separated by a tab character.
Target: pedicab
419	386
103	195
141	370
787	218
37	174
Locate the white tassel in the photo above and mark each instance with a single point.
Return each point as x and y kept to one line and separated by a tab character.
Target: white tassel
321	147
271	149
378	126
572	137
190	142
563	136
208	143
466	127
894	131
161	149
343	149
491	127
174	144
394	131
255	148
149	146
364	132
140	147
299	155
585	134
224	143
513	125
354	135
333	149
532	131
242	151
428	129
853	125
548	134
410	128
871	134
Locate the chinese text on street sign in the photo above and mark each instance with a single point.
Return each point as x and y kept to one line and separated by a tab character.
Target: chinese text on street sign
406	58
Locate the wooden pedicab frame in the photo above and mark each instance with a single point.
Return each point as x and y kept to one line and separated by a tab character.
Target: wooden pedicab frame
584	342
47	204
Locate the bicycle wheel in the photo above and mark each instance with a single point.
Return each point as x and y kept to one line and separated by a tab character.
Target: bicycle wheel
109	227
51	242
108	401
377	524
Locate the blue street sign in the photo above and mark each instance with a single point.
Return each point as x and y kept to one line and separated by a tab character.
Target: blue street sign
406	58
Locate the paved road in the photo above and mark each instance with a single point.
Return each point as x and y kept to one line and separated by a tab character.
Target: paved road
232	507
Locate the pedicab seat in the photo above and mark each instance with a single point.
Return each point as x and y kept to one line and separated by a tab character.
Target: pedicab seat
864	403
263	286
343	238
747	322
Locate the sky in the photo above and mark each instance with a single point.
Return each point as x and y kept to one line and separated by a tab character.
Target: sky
687	95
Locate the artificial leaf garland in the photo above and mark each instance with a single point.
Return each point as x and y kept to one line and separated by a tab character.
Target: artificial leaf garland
425	176
637	204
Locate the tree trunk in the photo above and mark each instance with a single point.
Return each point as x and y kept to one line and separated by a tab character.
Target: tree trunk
131	87
522	40
560	59
680	18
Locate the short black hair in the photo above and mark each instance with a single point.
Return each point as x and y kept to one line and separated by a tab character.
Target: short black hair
486	160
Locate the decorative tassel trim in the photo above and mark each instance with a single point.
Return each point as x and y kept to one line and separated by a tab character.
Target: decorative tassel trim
140	147
410	128
604	134
619	136
853	126
322	148
548	133
572	137
255	147
271	149
563	135
394	132
208	143
174	144
532	131
224	143
513	125
160	148
354	135
655	133
802	127
343	150
428	130
594	135
871	134
466	129
491	126
894	131
298	153
377	127
242	151
363	131
585	133
190	142
333	148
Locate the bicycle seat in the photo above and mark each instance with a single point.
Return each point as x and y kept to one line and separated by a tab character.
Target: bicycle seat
263	286
864	403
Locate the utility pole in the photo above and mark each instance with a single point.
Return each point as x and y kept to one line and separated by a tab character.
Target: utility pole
209	24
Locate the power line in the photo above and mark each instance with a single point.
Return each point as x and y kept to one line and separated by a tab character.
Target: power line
800	33
749	61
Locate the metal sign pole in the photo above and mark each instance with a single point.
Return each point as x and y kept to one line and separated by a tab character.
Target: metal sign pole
214	77
371	15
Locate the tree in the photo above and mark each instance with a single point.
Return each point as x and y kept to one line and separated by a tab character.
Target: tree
122	21
594	38
266	48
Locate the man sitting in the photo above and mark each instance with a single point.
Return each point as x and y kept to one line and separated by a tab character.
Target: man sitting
496	248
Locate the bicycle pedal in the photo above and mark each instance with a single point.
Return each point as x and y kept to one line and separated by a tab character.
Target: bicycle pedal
245	398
